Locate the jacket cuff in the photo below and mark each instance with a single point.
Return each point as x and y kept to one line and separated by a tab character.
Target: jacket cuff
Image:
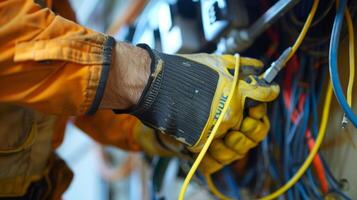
108	48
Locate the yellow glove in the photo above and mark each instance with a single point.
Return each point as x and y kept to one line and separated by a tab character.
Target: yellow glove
236	143
185	96
154	143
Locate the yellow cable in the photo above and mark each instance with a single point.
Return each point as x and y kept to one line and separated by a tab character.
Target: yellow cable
213	133
304	30
351	43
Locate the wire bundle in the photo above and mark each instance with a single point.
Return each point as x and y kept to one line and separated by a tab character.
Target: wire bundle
294	134
288	161
295	139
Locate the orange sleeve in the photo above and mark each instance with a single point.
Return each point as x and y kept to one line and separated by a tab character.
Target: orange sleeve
110	129
49	63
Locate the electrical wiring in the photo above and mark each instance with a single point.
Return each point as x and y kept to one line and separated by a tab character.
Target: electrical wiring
232	185
309	134
313	151
335	189
333	63
334	185
268	161
302	191
213	133
296	144
351	56
317	163
341	194
300	152
292	103
300	172
301	188
303	129
292	149
312	185
292	125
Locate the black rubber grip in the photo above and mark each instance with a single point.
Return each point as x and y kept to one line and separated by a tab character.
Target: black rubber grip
179	97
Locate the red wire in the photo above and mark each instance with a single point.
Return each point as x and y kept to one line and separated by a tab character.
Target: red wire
317	163
297	112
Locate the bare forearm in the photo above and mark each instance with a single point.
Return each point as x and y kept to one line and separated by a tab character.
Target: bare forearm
127	77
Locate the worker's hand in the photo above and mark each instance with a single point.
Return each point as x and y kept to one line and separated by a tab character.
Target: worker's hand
185	96
250	129
233	146
236	143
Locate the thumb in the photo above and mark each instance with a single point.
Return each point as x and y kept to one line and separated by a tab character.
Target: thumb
258	90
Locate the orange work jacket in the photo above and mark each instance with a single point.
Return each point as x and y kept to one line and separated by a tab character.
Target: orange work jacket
51	68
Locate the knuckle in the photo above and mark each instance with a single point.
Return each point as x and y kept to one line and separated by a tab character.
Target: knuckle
220	152
258	112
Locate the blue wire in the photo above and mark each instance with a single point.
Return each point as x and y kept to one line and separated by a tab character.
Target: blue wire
291	129
302	191
301	127
247	178
343	195
313	184
260	179
299	150
314	100
301	144
333	59
315	117
300	141
271	167
232	185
